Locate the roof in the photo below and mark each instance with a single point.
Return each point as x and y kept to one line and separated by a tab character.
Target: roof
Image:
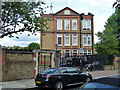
81	14
67	8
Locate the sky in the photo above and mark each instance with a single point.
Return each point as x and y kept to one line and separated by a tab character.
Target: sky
102	10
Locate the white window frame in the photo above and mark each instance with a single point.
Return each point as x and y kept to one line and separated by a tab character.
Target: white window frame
65	52
67	12
86	24
87	40
65	36
67	24
74	27
59	35
74	44
59	24
73	51
88	52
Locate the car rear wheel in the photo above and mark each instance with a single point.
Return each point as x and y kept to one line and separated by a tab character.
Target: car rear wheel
59	85
87	80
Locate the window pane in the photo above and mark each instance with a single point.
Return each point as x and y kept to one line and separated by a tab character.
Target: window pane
85	52
74	39
74	52
67	40
72	70
89	52
59	24
86	24
74	24
87	40
67	12
59	39
67	53
67	24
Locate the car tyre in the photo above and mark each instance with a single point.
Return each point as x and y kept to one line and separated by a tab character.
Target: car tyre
87	80
58	85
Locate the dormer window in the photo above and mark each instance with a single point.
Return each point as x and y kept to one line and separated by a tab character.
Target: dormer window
67	12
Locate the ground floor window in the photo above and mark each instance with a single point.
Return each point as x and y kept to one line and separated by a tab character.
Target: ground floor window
87	52
75	53
67	53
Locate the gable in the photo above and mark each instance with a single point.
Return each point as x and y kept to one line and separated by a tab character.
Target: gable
67	11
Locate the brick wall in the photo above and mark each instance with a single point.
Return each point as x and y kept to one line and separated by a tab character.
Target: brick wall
17	65
115	66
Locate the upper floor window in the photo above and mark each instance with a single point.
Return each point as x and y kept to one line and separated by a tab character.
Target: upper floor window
59	24
86	24
59	39
67	24
74	40
74	24
67	39
86	39
67	12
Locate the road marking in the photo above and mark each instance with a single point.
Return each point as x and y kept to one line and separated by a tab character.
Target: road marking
105	76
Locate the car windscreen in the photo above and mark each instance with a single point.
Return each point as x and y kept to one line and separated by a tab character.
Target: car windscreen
50	71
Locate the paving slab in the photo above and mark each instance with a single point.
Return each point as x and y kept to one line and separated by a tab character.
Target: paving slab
12	84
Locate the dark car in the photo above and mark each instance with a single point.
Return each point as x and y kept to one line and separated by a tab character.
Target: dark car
61	77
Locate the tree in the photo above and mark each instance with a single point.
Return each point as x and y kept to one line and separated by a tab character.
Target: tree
22	16
110	37
34	46
108	43
117	4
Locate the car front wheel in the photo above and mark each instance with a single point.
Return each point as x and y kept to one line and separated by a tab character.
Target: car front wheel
59	85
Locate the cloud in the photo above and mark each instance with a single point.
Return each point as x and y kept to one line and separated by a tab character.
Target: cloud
23	40
101	9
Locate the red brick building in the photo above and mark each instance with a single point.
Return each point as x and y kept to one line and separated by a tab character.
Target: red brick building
70	31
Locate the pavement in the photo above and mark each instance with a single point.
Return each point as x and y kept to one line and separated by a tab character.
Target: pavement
29	83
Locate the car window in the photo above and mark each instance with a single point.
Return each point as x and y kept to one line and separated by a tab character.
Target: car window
64	71
72	70
50	71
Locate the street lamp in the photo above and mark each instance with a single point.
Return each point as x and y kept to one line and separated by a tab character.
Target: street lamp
56	46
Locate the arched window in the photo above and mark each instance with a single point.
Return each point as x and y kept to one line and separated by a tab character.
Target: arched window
74	24
67	12
59	24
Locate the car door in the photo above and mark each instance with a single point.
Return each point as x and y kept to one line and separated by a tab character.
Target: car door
74	75
65	76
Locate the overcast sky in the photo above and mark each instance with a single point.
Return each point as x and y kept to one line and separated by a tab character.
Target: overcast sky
102	10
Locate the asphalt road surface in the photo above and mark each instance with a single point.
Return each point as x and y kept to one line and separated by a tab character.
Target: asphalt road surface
111	80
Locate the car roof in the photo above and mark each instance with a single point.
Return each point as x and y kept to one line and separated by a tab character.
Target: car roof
65	68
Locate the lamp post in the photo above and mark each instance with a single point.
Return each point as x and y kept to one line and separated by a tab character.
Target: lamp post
56	56
80	51
56	46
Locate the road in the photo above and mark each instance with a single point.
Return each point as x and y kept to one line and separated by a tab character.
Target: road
110	80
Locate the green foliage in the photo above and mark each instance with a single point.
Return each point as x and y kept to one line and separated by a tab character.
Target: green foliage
109	38
22	16
16	47
34	46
